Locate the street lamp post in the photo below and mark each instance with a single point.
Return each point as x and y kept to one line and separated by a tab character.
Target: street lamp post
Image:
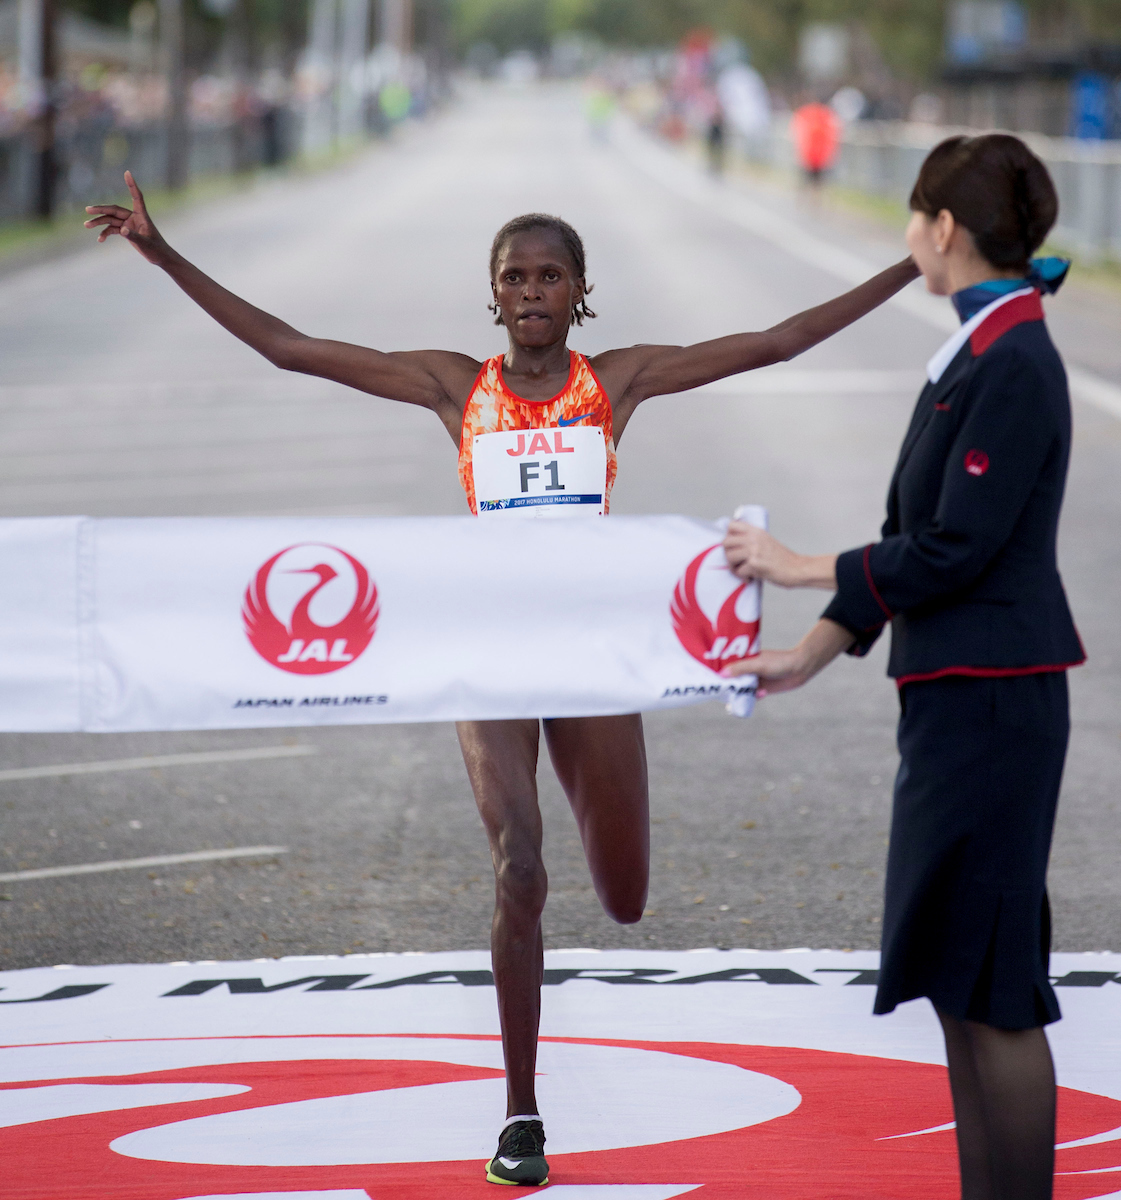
175	76
38	75
396	24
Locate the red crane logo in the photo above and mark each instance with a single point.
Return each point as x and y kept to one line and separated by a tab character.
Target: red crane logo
722	625
301	645
862	1126
976	462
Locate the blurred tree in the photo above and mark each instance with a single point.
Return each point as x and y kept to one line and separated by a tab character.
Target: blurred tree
277	20
907	33
1077	20
110	12
505	24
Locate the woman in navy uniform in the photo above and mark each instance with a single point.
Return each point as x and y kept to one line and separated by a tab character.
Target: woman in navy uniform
981	639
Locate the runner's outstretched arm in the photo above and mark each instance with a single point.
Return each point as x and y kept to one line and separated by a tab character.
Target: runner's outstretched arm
659	370
424	377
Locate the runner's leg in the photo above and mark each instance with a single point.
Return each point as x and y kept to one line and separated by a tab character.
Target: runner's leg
601	764
501	760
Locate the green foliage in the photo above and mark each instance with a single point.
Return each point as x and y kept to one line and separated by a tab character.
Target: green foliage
108	12
908	32
506	24
272	19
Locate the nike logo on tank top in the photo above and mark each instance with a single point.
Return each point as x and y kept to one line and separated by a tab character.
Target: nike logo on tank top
537	458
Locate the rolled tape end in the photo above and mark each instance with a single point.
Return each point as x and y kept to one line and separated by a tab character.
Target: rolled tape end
753	514
742	704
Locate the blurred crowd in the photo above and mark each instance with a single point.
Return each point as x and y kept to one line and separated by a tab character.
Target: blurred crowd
708	90
112	97
337	75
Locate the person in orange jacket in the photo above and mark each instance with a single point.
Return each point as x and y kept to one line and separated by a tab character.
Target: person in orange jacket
817	135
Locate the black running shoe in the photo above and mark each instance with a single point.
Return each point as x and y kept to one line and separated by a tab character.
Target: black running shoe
520	1158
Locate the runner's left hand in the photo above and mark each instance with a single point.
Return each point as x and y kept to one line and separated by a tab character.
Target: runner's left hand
133	224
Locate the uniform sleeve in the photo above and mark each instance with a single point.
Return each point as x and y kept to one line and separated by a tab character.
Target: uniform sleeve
857	604
992	466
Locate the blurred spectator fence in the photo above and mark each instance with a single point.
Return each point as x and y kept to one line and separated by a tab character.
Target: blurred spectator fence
92	157
113	117
882	158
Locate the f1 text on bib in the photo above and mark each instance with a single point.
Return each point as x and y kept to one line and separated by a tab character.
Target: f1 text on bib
541	472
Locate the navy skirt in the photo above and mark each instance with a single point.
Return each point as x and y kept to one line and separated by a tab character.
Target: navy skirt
966	917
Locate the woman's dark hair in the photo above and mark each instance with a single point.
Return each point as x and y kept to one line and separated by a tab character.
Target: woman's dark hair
568	237
994	186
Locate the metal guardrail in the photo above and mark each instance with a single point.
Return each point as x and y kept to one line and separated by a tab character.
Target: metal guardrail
883	158
92	157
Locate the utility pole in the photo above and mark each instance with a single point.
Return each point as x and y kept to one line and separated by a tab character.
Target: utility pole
243	44
396	24
293	25
355	30
172	39
38	73
320	125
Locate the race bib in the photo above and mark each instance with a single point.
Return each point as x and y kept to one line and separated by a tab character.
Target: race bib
541	472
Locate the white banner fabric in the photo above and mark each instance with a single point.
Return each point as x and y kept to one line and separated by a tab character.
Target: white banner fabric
40	653
191	623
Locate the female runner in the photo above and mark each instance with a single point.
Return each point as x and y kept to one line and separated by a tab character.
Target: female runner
981	639
580	408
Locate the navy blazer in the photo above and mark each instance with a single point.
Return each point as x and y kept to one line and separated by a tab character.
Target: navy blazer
966	572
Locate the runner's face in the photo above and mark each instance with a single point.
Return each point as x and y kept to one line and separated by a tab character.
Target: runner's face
535	286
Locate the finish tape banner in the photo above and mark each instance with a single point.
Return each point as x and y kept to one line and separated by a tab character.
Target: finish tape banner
194	623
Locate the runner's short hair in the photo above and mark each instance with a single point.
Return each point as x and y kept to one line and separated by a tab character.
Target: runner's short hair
564	233
994	186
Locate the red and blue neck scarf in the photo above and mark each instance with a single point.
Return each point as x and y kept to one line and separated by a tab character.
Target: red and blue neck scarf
1045	274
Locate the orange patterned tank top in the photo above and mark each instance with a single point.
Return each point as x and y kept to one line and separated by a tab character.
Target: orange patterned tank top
540	458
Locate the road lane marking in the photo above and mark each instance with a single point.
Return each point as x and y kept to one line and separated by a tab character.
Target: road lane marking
136	864
195	758
1084	385
665	166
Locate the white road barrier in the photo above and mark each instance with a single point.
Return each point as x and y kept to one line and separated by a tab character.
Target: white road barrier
150	624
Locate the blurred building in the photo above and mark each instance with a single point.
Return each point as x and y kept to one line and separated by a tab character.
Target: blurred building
1008	69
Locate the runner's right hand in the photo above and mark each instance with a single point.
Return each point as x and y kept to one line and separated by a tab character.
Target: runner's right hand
131	223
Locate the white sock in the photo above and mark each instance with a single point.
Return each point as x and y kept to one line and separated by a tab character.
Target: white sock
522	1117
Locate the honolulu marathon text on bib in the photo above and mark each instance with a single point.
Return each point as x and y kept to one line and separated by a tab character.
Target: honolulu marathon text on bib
195	623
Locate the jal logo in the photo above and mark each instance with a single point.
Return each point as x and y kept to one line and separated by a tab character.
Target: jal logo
715	615
976	462
311	609
348	1116
539	444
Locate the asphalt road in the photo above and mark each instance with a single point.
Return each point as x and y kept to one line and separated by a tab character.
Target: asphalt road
118	398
